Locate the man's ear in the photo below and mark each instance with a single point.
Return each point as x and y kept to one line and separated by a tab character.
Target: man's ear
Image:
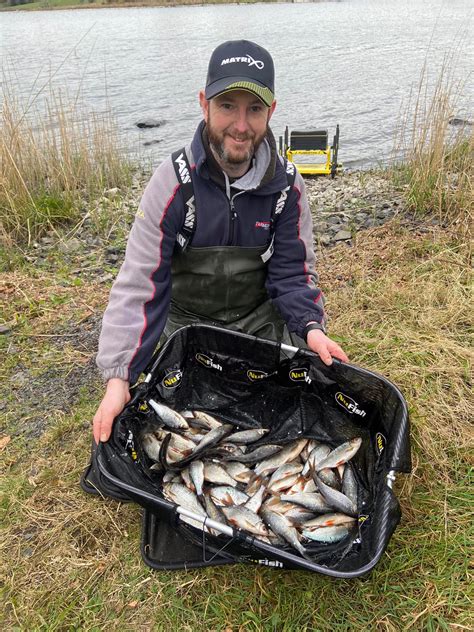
204	103
272	109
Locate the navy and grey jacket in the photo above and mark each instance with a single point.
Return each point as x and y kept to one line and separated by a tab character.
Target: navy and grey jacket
140	297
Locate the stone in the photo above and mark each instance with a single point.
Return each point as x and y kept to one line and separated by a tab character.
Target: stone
320	227
334	219
149	122
370	222
342	235
4	329
112	192
152	142
70	246
325	239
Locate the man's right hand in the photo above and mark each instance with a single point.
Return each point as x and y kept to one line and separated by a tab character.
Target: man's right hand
116	396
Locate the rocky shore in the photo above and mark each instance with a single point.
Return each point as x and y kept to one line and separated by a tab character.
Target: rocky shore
341	207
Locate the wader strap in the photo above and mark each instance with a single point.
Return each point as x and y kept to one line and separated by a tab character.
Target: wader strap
279	207
183	173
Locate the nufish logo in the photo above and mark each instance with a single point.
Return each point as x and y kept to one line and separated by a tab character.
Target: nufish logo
172	379
254	375
298	375
380	442
265	562
208	362
349	404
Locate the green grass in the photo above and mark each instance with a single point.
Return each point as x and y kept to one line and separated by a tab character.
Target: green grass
72	562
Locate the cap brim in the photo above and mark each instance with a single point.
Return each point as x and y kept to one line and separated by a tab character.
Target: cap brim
240	83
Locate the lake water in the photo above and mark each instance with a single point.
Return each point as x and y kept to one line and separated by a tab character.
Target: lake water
353	62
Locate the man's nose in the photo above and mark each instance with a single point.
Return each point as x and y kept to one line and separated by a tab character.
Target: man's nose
241	121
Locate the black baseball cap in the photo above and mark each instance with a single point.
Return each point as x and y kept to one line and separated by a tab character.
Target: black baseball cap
241	65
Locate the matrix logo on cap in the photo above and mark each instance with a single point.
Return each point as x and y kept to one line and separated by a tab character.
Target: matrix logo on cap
250	61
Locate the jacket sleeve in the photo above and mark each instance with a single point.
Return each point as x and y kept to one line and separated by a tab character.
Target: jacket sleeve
139	300
291	279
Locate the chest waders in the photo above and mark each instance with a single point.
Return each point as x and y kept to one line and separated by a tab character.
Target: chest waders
223	285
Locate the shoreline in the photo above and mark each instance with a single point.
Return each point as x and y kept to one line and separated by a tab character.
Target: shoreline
136	5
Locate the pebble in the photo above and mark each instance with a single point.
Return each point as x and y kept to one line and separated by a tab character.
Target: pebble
342	235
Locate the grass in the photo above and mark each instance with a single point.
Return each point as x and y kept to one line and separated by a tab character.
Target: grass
438	158
52	170
400	304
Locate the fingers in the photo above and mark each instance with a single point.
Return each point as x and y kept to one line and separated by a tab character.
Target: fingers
102	424
325	355
338	353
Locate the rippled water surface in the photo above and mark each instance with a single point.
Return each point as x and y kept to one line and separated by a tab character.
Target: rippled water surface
352	62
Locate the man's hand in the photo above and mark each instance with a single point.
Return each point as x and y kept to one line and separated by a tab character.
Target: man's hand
115	398
325	347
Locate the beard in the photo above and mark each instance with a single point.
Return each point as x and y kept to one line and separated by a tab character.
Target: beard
230	156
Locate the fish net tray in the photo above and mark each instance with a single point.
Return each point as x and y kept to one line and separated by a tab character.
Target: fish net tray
256	383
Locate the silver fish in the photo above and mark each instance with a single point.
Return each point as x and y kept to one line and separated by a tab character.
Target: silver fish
151	445
208	421
286	454
247	436
315	457
255	502
213	511
184	497
284	528
330	478
313	502
225	495
196	472
349	484
309	447
215	473
246	520
336	499
239	472
170	417
303	485
326	534
259	453
213	437
330	520
341	454
187	480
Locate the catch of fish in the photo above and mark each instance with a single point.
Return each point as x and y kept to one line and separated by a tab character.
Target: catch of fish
301	492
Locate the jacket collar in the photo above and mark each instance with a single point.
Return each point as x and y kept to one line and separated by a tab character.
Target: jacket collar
265	176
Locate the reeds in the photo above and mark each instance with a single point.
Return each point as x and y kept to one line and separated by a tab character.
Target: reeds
54	160
437	150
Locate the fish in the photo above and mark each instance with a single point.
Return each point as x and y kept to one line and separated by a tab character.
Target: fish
349	484
330	477
247	436
196	473
183	497
246	520
284	528
315	457
168	416
151	445
286	454
239	472
341	454
225	495
326	534
214	436
213	511
255	502
314	502
259	453
330	520
335	498
207	421
215	473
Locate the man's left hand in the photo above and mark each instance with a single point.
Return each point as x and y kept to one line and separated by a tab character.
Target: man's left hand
325	347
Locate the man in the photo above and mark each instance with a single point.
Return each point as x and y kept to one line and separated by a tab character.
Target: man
221	237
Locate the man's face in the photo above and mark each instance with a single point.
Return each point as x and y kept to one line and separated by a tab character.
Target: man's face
236	124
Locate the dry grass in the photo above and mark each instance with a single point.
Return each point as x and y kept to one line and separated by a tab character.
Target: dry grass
53	162
438	157
401	306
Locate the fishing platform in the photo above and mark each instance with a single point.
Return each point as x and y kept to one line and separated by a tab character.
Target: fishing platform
295	145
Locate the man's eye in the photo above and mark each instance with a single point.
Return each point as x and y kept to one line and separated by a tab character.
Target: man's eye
226	106
256	109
